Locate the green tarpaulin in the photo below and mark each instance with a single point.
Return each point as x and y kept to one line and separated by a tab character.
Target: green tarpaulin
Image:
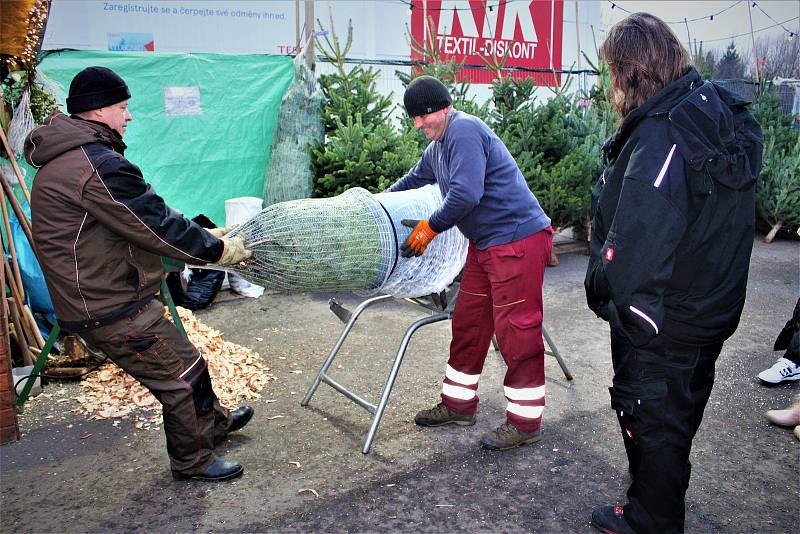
202	123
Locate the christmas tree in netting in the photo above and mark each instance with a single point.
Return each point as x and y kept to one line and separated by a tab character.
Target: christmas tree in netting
349	243
289	174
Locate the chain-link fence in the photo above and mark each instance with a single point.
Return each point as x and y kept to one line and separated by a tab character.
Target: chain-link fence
748	89
580	81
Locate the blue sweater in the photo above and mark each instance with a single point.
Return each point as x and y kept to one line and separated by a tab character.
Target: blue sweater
485	194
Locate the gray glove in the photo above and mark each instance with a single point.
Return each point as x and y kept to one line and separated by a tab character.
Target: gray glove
234	251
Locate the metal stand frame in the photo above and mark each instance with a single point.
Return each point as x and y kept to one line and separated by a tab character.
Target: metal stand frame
441	307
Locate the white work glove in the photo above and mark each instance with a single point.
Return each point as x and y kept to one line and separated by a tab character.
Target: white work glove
233	251
219	232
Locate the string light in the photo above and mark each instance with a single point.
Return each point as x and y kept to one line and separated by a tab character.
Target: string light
37	15
730	37
429	8
704	17
791	34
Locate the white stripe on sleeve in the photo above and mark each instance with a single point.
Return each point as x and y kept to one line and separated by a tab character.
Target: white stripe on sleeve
664	167
644	316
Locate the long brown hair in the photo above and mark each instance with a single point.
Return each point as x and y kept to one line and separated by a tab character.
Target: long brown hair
644	56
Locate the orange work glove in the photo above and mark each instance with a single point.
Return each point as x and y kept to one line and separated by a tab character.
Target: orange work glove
420	237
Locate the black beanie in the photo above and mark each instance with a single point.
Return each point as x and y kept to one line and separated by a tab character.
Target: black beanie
424	95
95	88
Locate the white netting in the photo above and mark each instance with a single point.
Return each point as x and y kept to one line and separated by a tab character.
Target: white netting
21	124
340	243
289	174
349	243
443	259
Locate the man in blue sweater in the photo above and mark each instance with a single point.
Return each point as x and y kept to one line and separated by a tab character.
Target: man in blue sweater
510	239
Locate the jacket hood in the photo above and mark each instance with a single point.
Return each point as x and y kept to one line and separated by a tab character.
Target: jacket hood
710	126
659	103
60	133
713	131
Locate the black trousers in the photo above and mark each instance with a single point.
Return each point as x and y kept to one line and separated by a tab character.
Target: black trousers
659	393
149	348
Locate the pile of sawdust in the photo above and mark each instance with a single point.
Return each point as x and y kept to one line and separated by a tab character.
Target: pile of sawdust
237	374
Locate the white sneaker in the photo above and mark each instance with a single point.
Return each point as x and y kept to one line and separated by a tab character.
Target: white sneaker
782	370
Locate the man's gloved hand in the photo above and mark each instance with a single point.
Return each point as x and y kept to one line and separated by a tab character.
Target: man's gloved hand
420	237
219	232
234	251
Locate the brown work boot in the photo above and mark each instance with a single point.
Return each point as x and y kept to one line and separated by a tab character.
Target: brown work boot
506	436
441	415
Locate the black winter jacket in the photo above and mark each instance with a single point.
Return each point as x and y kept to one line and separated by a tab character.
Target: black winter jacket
674	216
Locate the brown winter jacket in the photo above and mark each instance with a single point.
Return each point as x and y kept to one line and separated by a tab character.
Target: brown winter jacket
98	228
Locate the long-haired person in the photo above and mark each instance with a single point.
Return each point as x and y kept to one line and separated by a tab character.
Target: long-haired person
672	231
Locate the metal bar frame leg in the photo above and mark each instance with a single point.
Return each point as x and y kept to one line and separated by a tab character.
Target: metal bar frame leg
552	352
322	376
37	368
398	359
555	352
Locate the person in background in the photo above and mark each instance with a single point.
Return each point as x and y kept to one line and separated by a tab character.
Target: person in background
672	231
99	233
510	239
787	368
789	416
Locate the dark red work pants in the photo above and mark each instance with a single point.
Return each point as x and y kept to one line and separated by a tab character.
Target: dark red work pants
501	293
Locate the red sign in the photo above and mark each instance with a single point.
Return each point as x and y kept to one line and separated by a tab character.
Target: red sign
528	32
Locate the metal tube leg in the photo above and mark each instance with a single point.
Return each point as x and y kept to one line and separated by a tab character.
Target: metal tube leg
37	368
387	389
554	351
332	354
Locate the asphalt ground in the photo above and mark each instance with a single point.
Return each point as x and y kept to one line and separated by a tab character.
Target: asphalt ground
68	474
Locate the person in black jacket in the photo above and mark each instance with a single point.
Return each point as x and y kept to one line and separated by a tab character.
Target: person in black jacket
672	232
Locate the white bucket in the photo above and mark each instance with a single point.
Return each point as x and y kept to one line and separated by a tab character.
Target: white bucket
237	211
20	372
241	209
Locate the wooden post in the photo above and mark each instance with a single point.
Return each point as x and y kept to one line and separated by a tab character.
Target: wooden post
689	36
9	426
296	27
13	158
578	34
310	33
753	40
18	211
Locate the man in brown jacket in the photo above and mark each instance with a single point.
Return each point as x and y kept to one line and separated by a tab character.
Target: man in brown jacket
99	231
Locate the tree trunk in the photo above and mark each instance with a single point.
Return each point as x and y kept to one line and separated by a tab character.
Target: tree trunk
771	235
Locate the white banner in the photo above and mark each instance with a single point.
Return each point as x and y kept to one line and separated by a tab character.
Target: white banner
223	26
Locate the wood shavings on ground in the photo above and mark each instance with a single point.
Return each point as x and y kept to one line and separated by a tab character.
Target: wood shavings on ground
237	374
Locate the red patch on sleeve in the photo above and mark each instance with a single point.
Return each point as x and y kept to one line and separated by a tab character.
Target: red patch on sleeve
609	254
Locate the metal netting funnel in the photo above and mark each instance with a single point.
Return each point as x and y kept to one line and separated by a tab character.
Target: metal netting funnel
349	243
443	259
329	244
